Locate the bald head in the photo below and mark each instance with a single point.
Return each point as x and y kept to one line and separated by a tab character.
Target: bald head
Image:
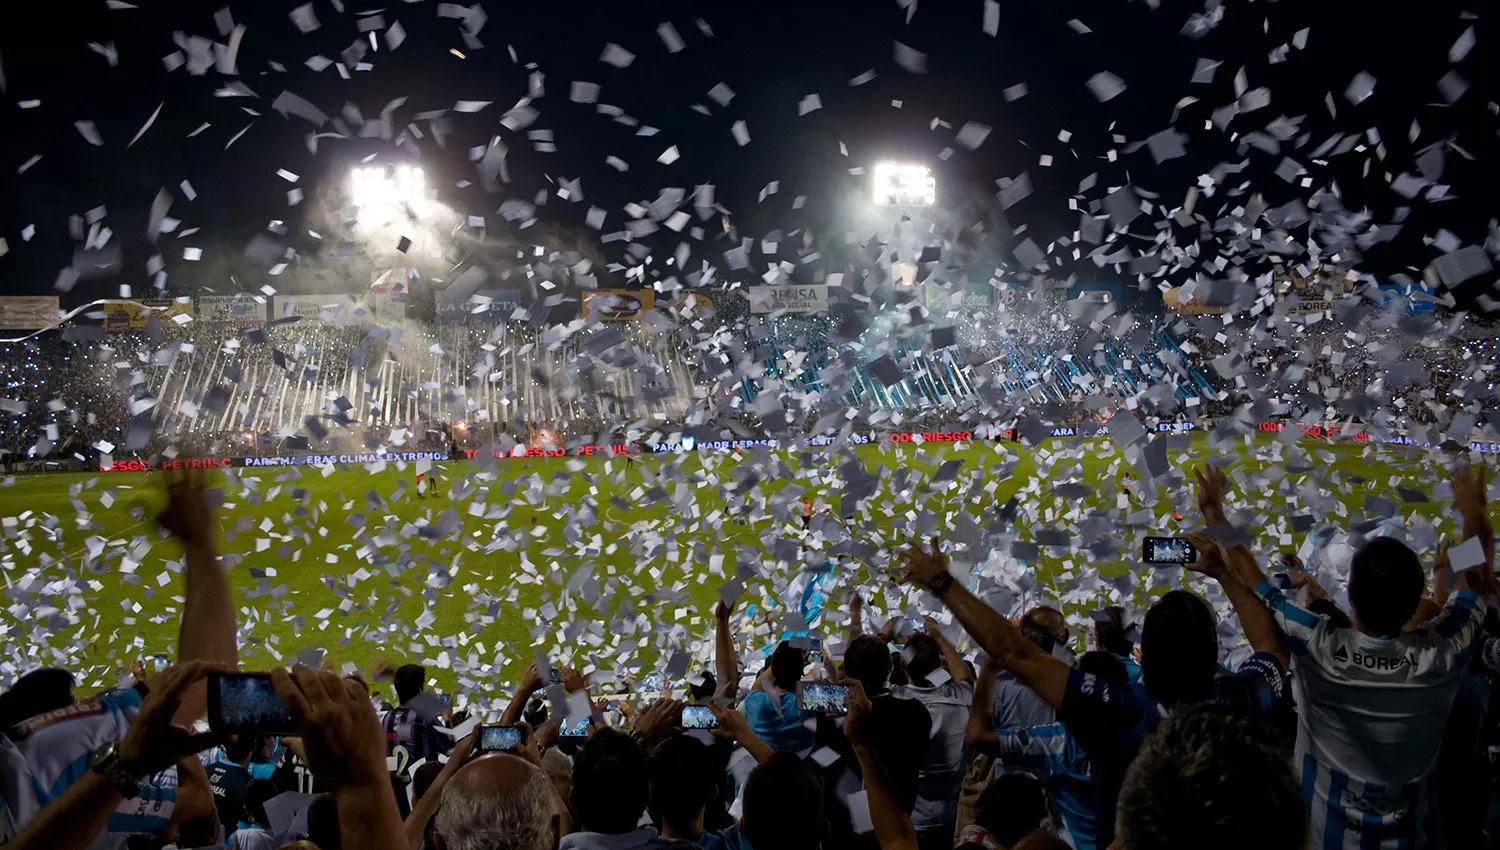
1045	627
498	802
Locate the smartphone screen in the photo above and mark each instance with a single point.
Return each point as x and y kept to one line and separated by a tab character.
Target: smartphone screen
554	676
246	702
576	730
699	717
823	697
158	663
1168	550
500	739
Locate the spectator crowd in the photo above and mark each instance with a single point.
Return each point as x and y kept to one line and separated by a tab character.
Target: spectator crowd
1359	728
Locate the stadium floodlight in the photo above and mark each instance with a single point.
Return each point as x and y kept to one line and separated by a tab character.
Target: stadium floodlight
904	184
382	187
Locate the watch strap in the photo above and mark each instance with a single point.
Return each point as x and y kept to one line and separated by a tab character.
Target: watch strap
106	762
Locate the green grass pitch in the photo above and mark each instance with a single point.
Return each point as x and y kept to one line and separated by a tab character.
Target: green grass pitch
597	562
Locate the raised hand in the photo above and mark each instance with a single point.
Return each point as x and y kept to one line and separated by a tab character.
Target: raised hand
923	566
188	514
153	743
338	726
1212	485
857	721
1213	560
1468	490
659	718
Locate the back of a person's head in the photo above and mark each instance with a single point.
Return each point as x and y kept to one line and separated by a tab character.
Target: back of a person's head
1041	840
200	832
1045	626
323	822
423	777
1011	807
409	681
682	780
1385	585
498	802
1179	648
239	748
1325	607
610	783
257	792
37	692
1105	666
1111	633
1209	778
535	712
705	686
868	659
783	805
787	664
926	655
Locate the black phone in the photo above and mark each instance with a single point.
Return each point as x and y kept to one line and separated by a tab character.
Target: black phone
823	697
500	739
247	703
1168	550
576	730
699	717
554	676
1281	581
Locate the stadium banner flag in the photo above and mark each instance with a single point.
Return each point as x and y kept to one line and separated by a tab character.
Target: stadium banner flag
1396	297
389	308
789	299
333	309
121	316
242	311
505	302
1192	307
618	305
28	312
975	296
474	310
394	281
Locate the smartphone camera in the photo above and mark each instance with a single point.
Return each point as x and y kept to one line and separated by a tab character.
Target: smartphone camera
1168	550
699	717
823	697
500	739
247	703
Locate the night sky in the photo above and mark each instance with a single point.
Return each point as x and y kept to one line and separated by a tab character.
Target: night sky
772	54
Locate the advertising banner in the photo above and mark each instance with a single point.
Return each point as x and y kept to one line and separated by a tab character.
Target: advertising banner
241	311
121	316
477	310
28	312
975	296
788	299
618	305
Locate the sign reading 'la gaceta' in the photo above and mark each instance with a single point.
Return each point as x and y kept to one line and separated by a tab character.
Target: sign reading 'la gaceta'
789	299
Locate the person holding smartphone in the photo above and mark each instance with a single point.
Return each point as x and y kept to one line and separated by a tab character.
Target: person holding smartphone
772	707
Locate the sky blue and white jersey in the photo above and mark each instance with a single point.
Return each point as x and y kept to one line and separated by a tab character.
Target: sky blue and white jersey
1371	717
56	747
1055	757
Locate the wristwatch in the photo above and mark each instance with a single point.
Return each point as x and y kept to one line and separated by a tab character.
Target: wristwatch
106	762
940	583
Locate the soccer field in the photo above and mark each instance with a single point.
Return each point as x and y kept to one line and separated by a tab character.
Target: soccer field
613	565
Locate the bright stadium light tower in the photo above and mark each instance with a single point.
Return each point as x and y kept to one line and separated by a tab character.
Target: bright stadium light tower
385	190
904	184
